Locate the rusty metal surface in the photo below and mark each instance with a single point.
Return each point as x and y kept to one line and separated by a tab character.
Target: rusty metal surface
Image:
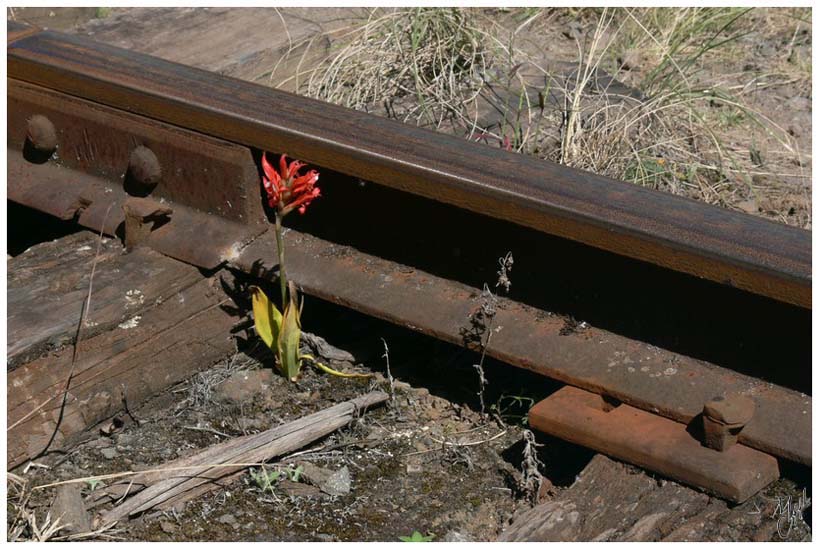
211	175
211	186
731	248
644	376
654	443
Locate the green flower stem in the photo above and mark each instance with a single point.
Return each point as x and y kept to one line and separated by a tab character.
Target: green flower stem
280	245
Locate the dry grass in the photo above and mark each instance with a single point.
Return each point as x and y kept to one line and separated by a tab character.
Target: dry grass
418	64
681	124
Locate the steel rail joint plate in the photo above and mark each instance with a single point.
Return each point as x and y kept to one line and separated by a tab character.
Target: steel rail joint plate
654	443
212	186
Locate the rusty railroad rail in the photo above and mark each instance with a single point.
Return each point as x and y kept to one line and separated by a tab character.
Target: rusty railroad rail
195	196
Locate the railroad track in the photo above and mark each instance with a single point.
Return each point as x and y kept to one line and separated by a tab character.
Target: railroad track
165	156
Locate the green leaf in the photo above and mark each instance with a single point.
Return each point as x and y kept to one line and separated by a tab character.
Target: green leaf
418	537
93	483
288	343
266	318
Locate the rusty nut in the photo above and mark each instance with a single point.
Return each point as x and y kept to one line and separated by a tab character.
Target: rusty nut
724	419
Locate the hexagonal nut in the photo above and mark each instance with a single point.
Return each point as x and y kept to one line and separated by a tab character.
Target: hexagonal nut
733	409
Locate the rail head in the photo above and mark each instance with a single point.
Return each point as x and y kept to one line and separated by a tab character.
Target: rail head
728	247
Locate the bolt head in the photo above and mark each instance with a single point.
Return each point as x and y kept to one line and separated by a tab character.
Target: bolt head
730	410
144	167
41	134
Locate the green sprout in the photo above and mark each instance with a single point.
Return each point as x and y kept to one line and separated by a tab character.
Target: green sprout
93	483
418	537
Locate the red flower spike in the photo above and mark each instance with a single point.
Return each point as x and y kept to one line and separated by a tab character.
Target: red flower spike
287	189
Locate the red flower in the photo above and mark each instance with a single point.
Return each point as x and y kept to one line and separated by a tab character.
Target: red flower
287	189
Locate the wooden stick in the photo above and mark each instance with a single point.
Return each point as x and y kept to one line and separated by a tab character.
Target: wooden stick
164	489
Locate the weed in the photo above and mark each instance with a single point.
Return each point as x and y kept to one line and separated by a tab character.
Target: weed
264	479
673	123
531	466
513	408
418	537
419	63
94	483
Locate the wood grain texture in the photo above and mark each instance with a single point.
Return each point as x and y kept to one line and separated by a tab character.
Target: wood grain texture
265	45
612	501
48	284
133	352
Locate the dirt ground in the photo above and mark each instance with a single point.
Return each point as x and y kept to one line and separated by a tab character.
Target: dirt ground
420	463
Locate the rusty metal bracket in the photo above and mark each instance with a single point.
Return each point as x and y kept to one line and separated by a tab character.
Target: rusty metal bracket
74	158
653	442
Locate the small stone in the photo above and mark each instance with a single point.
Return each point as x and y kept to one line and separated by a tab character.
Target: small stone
109	453
168	527
244	385
321	348
338	483
295	489
333	483
227	519
749	206
456	536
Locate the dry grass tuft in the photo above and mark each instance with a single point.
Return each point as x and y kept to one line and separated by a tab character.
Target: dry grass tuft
676	119
418	64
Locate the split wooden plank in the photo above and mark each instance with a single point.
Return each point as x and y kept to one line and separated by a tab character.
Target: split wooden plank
184	479
48	284
179	329
265	45
612	501
653	442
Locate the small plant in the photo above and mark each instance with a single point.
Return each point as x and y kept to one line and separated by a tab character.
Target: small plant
294	474
513	408
281	331
93	483
265	480
418	537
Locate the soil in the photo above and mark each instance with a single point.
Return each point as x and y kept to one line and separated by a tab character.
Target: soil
404	477
427	461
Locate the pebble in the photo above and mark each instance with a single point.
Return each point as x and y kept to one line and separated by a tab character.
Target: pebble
168	527
228	519
109	453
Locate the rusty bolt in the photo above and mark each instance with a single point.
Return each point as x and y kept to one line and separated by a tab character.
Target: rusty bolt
41	134
144	167
724	418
